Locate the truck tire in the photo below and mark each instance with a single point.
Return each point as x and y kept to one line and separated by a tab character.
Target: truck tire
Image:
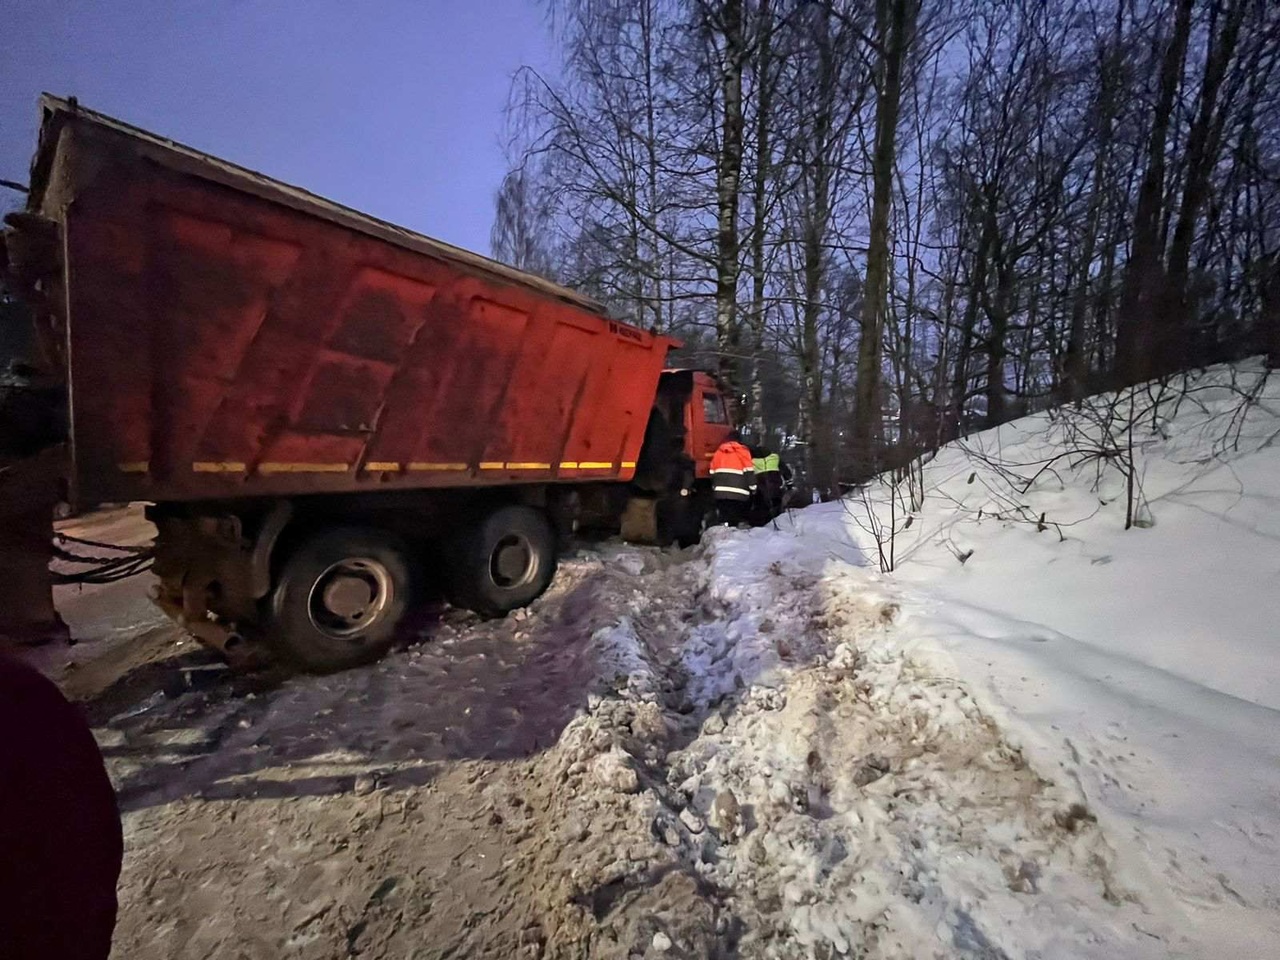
504	561
339	598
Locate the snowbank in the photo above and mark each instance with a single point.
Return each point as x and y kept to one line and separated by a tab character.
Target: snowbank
889	817
1141	667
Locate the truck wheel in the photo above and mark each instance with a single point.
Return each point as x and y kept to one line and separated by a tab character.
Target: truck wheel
339	599
504	562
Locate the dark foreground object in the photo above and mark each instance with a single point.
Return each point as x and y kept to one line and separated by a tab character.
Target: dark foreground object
60	837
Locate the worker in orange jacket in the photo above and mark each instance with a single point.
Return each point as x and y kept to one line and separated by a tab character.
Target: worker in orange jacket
733	480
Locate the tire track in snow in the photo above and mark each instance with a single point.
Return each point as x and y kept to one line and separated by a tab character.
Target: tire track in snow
879	812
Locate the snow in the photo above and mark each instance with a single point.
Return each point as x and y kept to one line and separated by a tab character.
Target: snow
888	816
1066	746
1138	669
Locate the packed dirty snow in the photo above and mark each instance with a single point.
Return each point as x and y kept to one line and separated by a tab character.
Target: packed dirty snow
885	815
1066	745
724	754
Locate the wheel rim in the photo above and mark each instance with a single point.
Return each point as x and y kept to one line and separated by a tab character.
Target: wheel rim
350	598
513	562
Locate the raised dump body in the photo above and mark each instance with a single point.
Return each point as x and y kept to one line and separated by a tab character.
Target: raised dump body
231	336
322	408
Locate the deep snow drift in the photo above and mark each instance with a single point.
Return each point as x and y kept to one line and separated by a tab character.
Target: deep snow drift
1139	668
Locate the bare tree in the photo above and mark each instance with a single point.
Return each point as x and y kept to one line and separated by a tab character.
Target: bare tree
895	33
523	224
886	222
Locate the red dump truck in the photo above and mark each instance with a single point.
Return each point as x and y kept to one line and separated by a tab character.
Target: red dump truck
320	405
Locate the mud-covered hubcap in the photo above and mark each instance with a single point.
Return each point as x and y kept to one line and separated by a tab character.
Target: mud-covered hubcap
513	562
350	597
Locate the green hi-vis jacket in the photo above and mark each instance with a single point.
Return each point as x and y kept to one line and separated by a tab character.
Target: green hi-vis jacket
770	461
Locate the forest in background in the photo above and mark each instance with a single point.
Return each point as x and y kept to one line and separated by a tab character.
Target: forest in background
887	223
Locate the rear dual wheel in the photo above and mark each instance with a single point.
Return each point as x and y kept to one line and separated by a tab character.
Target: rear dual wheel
342	593
339	598
504	561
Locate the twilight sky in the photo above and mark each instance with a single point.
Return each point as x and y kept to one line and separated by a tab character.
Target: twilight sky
393	107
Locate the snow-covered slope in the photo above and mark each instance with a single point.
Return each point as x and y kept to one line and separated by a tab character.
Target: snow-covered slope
1138	667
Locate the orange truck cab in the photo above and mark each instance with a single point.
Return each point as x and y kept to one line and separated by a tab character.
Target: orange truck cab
709	421
318	405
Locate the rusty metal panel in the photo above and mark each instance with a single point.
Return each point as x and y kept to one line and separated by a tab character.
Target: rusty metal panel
224	344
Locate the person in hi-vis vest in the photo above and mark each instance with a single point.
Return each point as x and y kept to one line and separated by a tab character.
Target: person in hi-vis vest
772	476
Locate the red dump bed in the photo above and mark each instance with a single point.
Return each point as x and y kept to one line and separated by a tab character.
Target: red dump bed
229	335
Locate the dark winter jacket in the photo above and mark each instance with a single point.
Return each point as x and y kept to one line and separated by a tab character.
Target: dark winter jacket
60	837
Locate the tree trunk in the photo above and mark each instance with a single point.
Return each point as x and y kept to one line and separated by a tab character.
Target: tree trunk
1270	319
998	314
1202	150
968	328
816	223
1076	368
895	28
728	186
942	430
964	350
646	17
1137	328
764	106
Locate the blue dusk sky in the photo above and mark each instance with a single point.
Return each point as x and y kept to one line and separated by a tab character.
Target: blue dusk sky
394	107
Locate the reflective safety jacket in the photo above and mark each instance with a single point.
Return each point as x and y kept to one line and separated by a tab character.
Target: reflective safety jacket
733	475
770	461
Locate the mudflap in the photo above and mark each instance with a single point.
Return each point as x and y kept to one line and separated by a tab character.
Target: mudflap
640	520
28	494
662	521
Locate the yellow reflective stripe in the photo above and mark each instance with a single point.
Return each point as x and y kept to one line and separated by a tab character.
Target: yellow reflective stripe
438	467
377	466
303	467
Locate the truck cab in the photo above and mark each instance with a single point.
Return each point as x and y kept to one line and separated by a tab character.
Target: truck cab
670	495
707	421
694	407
